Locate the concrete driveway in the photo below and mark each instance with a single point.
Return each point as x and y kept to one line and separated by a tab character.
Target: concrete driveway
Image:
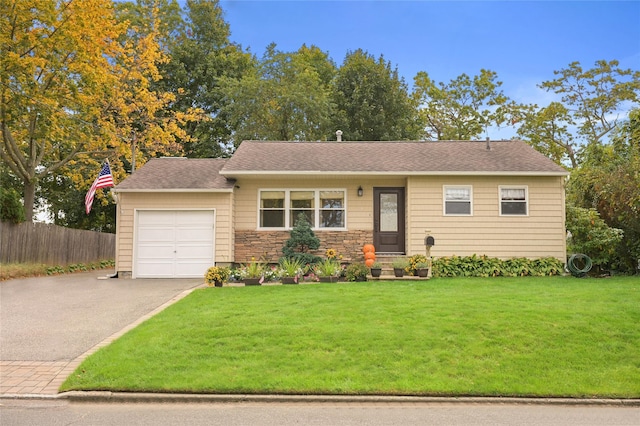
52	321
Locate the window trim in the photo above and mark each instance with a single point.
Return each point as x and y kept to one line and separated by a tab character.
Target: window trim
317	208
526	200
444	200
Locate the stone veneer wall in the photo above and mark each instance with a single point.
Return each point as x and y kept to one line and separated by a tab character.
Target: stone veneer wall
267	245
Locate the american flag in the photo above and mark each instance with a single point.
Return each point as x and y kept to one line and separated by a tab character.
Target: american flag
104	180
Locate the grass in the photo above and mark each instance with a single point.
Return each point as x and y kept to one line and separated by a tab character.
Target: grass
22	270
25	270
551	337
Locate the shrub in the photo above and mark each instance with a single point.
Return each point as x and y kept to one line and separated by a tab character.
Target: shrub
483	266
590	235
327	268
356	272
302	239
413	263
11	208
217	273
400	263
290	267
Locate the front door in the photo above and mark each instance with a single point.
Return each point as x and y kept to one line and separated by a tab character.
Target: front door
388	222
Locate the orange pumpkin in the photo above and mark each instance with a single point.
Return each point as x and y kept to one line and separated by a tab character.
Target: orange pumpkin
370	255
368	248
369	262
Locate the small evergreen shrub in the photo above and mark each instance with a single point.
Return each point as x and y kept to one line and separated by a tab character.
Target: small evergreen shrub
301	242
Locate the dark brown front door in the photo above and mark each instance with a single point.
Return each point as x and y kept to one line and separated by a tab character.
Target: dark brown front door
388	222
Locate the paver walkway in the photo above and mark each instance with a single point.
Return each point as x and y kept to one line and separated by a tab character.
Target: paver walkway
33	329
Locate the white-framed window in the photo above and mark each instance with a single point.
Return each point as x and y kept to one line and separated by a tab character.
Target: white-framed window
280	208
514	200
458	200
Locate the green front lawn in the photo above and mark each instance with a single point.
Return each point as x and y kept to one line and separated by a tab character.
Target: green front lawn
555	336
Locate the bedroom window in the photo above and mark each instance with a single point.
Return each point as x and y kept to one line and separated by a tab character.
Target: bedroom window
457	200
513	201
323	208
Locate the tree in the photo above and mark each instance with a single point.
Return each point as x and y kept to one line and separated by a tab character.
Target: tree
592	101
301	242
372	101
201	56
54	75
547	130
463	108
608	181
71	89
284	98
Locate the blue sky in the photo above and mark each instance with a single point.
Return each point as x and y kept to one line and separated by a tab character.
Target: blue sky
523	41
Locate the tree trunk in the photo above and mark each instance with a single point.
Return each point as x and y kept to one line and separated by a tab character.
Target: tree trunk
29	200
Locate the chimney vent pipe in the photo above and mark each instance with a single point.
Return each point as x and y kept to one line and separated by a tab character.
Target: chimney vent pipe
339	135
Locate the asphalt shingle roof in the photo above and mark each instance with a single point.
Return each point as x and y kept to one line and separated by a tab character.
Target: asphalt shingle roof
291	158
178	174
424	157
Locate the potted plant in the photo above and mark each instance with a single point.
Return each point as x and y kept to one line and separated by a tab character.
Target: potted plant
399	266
422	269
290	270
414	260
356	272
376	269
328	270
216	275
252	273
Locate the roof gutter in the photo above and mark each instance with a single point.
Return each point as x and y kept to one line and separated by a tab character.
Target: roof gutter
181	190
311	173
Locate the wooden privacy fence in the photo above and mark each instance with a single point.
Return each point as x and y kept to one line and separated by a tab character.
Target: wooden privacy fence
53	245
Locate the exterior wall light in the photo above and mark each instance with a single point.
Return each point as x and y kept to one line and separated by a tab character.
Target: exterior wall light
360	191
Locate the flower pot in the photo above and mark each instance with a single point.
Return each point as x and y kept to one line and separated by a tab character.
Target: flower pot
398	272
376	272
424	272
289	280
252	281
328	279
217	283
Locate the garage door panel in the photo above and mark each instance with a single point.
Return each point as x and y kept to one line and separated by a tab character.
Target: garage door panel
155	235
156	251
156	217
204	217
202	251
156	269
191	269
193	235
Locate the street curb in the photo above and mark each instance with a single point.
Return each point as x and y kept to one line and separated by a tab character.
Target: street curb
130	397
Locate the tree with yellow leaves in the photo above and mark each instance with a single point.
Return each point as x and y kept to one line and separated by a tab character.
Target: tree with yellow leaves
74	83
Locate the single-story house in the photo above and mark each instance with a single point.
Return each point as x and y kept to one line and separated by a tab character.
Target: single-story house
176	216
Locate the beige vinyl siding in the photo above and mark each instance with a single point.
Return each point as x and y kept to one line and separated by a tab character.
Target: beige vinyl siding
128	202
359	209
539	234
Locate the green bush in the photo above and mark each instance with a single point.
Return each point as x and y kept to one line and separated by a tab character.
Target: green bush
302	240
414	260
11	208
356	272
483	266
590	235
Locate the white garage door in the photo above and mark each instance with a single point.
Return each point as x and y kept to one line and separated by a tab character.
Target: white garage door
174	243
